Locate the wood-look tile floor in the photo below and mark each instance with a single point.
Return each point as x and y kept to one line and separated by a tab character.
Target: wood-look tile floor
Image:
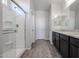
41	49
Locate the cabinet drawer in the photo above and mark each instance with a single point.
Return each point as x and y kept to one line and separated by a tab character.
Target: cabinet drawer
57	34
64	37
74	41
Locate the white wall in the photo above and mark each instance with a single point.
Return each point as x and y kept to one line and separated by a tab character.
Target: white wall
30	30
29	38
42	24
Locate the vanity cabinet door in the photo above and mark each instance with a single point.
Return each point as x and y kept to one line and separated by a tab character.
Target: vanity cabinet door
74	51
64	45
64	48
57	42
74	47
54	38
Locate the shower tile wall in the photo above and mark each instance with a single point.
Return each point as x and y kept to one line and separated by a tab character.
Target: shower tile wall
9	35
1	42
9	42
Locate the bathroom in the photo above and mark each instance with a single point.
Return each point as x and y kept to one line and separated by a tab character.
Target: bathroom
24	22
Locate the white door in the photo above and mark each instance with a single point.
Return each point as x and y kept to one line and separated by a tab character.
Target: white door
41	25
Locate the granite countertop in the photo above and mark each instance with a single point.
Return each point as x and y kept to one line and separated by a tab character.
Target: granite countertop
72	33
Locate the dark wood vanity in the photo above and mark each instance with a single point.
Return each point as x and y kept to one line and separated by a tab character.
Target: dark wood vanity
66	45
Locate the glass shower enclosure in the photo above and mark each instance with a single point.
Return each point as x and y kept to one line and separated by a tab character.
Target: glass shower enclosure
13	26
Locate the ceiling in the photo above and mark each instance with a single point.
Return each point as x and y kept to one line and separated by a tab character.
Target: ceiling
38	4
42	4
45	4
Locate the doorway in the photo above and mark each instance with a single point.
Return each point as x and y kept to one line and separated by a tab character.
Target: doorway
42	31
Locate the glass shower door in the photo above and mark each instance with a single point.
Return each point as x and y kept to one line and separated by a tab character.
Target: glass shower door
9	32
13	30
